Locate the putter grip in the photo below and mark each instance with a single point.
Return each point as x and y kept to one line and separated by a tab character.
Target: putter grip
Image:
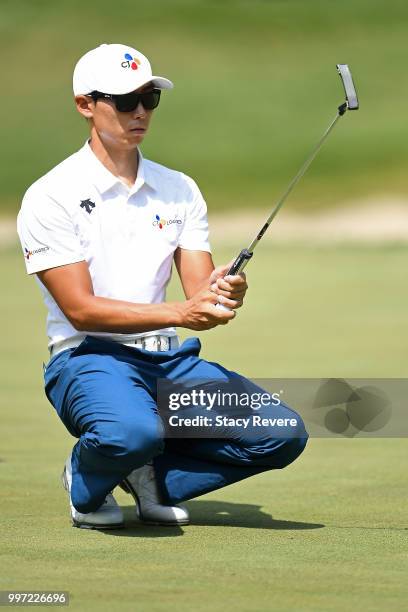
238	265
240	262
223	307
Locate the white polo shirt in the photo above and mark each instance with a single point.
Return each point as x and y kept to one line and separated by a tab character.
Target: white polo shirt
79	211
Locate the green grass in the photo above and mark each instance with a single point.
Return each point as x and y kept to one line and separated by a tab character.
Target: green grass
255	88
328	533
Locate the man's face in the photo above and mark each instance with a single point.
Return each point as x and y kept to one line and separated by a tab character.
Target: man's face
120	130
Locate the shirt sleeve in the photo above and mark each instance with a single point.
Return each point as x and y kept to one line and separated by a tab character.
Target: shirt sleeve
47	233
194	235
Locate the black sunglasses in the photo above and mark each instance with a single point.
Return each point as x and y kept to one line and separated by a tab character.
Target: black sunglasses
127	103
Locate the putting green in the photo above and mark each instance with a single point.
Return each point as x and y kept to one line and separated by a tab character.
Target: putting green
328	533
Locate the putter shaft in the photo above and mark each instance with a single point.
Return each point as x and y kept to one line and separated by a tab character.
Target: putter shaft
350	104
246	254
293	183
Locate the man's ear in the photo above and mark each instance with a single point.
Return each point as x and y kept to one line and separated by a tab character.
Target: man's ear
85	106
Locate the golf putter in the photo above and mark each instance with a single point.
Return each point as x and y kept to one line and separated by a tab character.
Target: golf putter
351	103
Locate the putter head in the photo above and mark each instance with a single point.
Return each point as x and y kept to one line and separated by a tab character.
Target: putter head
349	89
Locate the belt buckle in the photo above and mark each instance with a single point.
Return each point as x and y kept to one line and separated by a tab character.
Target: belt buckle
163	343
156	343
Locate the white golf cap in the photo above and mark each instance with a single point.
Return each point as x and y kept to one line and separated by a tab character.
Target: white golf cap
114	69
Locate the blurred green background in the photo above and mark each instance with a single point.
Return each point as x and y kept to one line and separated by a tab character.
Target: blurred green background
256	86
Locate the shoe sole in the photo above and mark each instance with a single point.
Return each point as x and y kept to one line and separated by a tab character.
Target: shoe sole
127	487
86	525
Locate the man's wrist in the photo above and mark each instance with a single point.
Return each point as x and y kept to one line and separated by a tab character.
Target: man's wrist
178	313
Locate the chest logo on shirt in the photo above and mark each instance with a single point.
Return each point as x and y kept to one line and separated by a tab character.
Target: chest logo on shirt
161	223
87	205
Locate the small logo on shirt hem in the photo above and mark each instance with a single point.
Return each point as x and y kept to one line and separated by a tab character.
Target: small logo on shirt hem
161	223
28	254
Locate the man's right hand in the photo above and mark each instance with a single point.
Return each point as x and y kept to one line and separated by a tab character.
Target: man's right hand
200	313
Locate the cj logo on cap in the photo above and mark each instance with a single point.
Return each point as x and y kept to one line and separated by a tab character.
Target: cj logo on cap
131	62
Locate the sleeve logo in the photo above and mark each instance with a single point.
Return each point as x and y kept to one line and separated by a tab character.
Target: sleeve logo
28	254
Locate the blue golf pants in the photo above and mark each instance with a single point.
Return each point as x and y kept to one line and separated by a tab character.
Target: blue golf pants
105	394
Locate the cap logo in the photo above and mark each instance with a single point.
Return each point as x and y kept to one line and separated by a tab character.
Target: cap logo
130	62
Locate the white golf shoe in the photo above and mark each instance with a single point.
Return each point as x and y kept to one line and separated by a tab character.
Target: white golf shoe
141	484
107	516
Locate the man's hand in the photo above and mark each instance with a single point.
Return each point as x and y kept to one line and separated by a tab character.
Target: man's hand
200	312
205	287
230	290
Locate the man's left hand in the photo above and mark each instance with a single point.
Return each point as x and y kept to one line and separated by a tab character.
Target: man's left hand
231	290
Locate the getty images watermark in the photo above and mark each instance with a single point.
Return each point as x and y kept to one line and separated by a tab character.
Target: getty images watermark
223	409
223	401
331	407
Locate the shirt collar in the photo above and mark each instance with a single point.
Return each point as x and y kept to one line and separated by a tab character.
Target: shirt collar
145	175
104	180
